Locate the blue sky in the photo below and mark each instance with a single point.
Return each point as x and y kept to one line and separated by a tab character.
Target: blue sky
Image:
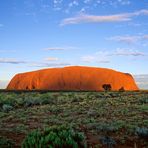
36	34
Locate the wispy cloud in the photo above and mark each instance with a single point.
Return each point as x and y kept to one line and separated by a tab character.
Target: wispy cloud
49	64
129	39
99	57
103	61
44	6
51	59
61	48
124	2
11	61
57	4
88	58
116	3
106	56
142	76
55	48
5	51
142	80
128	52
86	18
126	39
73	3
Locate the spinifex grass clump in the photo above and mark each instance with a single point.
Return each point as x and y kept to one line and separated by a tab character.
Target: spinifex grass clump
55	137
142	132
6	143
108	141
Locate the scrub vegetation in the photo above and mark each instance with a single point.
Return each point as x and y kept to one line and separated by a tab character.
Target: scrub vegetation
74	119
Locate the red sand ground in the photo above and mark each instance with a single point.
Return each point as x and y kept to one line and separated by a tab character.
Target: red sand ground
72	78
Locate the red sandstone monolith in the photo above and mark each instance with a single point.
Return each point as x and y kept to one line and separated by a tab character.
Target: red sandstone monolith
73	78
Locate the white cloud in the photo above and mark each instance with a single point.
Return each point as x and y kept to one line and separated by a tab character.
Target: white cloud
51	59
142	81
73	3
44	6
106	56
83	10
48	64
95	59
141	76
113	3
55	48
99	57
103	61
129	39
61	48
57	4
86	18
126	39
128	52
5	51
11	61
124	2
88	58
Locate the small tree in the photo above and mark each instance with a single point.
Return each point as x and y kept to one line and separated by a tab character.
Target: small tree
106	87
122	89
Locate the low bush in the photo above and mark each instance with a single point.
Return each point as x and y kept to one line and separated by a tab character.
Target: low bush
55	137
108	141
143	99
142	132
7	108
6	143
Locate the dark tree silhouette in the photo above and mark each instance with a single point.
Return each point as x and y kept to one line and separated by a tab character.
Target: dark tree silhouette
122	89
107	87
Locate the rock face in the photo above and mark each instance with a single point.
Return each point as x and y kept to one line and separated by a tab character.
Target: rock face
73	78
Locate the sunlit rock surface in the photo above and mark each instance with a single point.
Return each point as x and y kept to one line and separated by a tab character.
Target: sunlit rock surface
72	78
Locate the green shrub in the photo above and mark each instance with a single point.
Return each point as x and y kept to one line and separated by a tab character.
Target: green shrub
7	99
106	128
55	137
31	101
7	108
144	100
47	99
142	132
110	127
108	141
6	143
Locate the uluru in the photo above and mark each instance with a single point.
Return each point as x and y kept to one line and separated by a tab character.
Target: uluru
73	78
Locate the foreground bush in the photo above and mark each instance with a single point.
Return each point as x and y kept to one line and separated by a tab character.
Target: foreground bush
55	137
6	143
142	132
